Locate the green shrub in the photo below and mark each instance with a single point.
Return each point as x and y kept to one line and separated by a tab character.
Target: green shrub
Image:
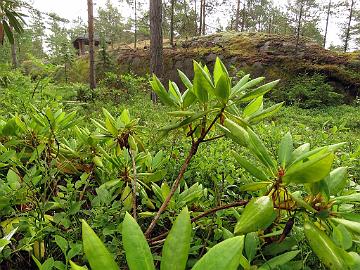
309	91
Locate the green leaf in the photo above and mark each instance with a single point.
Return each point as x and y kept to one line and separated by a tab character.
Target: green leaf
301	150
254	186
285	150
8	32
258	214
202	85
252	242
160	90
353	226
62	243
253	107
188	99
336	180
76	267
223	256
177	243
310	170
175	93
260	91
252	169
181	113
258	148
238	133
222	88
13	179
97	254
260	115
276	248
219	71
355	197
279	260
239	84
342	237
137	251
185	80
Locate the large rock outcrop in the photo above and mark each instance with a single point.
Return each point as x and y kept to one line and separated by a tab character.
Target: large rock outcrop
272	56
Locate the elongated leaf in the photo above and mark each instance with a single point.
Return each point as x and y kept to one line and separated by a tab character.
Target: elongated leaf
222	88
137	251
219	71
279	260
336	181
254	186
260	115
260	91
237	132
98	256
350	225
160	90
253	107
302	149
258	148
202	85
223	256
311	170
252	169
188	99
342	237
251	245
241	83
285	150
76	267
185	80
177	243
355	197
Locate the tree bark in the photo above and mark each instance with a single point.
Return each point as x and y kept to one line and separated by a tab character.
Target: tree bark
243	17
203	18
156	41
237	20
172	23
13	53
327	22
298	30
135	25
347	35
91	44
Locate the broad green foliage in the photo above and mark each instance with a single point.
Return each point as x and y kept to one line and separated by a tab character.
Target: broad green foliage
250	196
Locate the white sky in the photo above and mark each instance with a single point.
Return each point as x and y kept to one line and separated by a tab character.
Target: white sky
71	9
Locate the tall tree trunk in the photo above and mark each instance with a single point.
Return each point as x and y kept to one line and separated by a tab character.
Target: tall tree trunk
135	25
14	55
243	17
347	35
203	18
298	30
91	44
172	23
156	41
237	20
327	23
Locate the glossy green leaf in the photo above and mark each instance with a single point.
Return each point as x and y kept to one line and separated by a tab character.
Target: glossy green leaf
239	84
279	260
258	214
254	106
302	149
219	71
285	150
202	85
76	267
177	243
188	99
260	91
310	170
342	237
324	248
249	167
160	90
96	253
223	256
185	80
252	243
137	251
222	88
336	180
254	186
352	226
355	197
237	132
260	115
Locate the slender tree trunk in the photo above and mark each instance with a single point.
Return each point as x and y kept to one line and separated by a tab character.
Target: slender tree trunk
196	14
203	18
347	35
156	41
13	53
237	20
298	30
327	23
91	44
243	17
135	25
172	23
